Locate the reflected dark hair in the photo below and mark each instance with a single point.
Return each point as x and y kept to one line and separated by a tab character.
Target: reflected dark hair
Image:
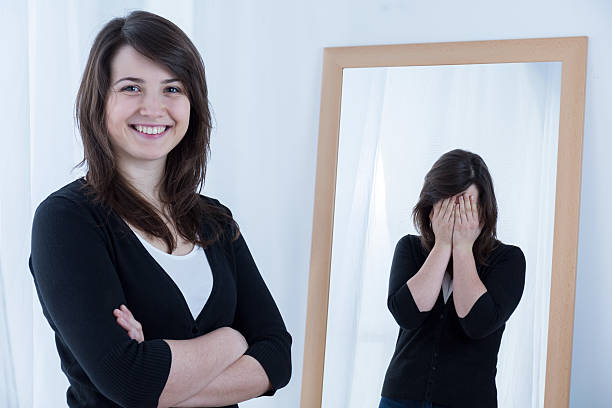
450	175
163	42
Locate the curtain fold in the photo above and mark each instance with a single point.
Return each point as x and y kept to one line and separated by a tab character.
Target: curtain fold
16	303
8	388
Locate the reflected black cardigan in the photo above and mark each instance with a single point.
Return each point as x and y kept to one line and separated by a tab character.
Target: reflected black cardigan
440	357
86	261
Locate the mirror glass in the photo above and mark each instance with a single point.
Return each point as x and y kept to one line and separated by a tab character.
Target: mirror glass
395	123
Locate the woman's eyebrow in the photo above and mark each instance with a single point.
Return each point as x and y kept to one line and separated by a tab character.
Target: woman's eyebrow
140	81
137	80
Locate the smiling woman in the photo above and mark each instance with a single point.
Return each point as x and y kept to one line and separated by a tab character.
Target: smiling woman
149	286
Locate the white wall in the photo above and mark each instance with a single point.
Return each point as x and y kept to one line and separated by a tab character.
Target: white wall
263	61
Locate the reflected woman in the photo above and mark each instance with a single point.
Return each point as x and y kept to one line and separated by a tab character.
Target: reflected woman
451	291
149	286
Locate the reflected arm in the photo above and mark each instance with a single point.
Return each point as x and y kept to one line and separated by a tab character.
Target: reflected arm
426	283
413	291
504	285
467	286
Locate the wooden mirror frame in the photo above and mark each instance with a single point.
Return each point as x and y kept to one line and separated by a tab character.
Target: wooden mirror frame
572	53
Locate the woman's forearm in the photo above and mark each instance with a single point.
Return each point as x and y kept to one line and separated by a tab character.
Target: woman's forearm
426	283
243	380
467	286
197	362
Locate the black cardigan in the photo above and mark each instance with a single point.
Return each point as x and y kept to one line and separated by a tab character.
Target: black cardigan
86	261
440	357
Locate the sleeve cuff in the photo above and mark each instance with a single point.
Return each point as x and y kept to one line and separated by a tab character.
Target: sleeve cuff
405	310
273	361
479	319
138	372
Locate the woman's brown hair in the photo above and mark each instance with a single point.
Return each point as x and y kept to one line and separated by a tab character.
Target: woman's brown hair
185	169
450	175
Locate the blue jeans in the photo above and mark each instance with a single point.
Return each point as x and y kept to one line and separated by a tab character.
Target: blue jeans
391	403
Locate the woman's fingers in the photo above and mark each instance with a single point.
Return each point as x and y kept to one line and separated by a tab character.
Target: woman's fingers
123	318
127	321
469	205
125	310
439	212
463	210
448	213
474	211
135	322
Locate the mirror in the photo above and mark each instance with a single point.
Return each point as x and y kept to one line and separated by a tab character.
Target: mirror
394	124
389	124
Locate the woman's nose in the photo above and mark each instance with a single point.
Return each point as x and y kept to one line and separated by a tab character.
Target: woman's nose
152	105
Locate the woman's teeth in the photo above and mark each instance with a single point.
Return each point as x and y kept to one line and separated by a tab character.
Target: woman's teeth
150	130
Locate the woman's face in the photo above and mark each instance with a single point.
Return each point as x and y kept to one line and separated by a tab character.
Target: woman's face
147	109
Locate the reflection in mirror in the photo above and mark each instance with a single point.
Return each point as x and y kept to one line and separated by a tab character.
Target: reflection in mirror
395	123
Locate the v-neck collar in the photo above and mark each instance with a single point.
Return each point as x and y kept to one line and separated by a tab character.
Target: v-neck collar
212	253
211	258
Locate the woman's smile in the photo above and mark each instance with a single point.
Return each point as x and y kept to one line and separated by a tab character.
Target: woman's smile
150	131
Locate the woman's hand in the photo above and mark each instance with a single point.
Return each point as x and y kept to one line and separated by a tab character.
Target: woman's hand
467	223
129	323
442	218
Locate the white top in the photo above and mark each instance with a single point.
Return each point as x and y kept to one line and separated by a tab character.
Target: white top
191	273
447	286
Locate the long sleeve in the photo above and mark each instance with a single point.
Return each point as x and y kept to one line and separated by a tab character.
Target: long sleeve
259	320
504	282
400	302
78	288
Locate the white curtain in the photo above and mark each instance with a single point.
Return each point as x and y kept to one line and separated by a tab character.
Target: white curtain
395	123
8	394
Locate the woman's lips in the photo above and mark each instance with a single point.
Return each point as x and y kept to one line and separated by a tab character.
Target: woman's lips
150	136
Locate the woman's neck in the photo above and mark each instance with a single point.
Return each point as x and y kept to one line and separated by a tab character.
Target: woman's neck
146	177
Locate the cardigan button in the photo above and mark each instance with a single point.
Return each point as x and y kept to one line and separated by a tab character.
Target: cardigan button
441	316
194	329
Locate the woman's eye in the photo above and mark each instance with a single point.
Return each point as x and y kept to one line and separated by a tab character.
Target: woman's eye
173	89
130	88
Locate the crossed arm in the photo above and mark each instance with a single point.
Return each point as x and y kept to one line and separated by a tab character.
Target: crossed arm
222	378
78	286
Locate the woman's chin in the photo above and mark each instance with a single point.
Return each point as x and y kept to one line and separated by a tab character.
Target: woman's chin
144	157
